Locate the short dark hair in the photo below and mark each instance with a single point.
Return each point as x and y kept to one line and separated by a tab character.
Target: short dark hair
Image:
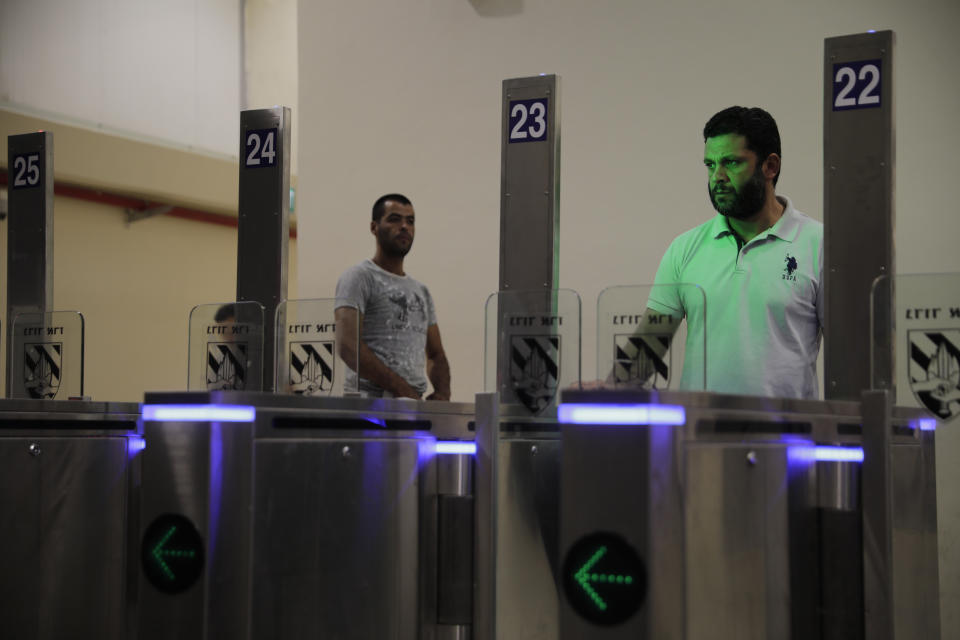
754	124
226	312
379	207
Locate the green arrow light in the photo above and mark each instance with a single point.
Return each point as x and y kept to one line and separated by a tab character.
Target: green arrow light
604	579
584	577
172	553
158	552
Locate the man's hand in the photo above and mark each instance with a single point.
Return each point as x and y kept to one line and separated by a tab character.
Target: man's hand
443	397
357	355
592	385
404	390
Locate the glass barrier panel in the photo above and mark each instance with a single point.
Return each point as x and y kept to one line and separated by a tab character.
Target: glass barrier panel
46	356
310	349
926	340
643	339
226	347
532	346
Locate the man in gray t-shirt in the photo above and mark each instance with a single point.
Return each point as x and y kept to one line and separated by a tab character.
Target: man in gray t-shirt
398	347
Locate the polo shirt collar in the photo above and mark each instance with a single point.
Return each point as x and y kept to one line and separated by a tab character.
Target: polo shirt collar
786	228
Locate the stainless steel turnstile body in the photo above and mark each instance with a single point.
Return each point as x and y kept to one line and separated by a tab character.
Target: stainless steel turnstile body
319	517
748	525
744	532
68	485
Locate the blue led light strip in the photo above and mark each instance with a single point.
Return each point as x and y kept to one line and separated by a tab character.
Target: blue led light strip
928	424
456	447
838	454
198	413
639	414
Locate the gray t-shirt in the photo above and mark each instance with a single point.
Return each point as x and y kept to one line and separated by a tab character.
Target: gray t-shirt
396	313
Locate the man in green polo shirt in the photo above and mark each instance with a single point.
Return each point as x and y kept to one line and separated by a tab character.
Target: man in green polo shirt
759	264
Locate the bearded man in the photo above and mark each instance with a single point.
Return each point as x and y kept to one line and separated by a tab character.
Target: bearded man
759	264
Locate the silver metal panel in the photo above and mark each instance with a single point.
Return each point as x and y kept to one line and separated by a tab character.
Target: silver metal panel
878	595
626	480
530	188
29	230
84	496
738	528
228	529
485	494
335	545
263	234
20	479
66	535
176	470
527	604
858	159
916	595
517	530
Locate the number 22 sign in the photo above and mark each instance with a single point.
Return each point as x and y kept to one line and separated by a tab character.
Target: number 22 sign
856	85
528	120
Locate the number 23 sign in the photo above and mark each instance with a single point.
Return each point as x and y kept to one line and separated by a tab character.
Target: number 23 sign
856	85
528	120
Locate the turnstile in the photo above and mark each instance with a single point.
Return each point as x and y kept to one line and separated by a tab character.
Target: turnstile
69	482
269	516
287	516
707	516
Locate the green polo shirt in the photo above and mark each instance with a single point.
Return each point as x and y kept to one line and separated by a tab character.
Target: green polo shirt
764	305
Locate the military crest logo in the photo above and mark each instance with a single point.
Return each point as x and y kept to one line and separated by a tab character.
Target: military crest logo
935	370
311	368
638	360
42	369
535	369
226	366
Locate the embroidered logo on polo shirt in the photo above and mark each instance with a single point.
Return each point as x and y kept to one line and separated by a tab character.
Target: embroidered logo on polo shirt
790	268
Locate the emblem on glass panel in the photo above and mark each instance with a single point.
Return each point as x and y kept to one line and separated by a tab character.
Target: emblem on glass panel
639	360
226	366
535	369
42	366
311	368
935	370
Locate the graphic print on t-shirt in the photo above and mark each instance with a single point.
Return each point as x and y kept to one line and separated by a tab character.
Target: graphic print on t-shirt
404	306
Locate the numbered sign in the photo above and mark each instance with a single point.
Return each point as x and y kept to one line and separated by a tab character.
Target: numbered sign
27	171
856	85
261	148
528	120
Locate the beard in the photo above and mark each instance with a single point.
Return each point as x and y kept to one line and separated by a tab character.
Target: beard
747	201
393	247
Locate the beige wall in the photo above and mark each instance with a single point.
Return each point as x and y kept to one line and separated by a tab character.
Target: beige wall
135	284
405	96
270	59
165	70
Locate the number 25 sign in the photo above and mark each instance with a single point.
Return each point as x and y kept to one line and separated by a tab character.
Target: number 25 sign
856	85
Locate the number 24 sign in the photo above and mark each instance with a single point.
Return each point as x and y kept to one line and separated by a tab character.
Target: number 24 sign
856	85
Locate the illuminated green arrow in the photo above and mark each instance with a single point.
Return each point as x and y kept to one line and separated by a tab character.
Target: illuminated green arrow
584	576
159	553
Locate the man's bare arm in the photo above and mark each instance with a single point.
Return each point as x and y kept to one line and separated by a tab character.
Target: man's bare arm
357	354
438	369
